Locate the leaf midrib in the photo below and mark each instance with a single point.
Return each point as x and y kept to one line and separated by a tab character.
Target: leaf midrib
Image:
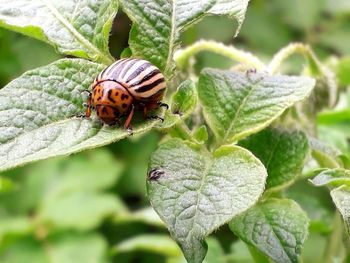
207	165
273	232
232	124
92	48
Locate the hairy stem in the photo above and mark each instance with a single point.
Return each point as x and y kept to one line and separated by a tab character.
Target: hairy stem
292	49
316	68
183	56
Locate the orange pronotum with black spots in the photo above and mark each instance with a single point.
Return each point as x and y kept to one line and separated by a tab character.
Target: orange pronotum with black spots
125	86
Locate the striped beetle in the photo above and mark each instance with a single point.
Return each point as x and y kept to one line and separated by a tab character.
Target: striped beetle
125	86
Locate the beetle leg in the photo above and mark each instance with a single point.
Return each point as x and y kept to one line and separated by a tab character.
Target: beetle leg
88	107
154	117
129	118
88	91
162	104
144	113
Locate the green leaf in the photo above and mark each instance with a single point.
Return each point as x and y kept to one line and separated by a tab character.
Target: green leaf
276	227
198	192
185	98
236	105
201	134
216	253
342	70
78	248
316	203
13	226
79	210
81	173
154	243
183	102
333	177
37	114
145	215
324	154
26	250
65	248
157	25
341	199
6	185
282	152
337	135
78	28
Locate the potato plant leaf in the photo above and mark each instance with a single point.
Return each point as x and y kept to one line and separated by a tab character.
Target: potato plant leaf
196	192
38	109
157	24
237	104
183	102
78	28
332	177
276	227
282	152
153	243
325	154
341	199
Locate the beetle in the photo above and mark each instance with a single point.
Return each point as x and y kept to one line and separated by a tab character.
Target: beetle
125	86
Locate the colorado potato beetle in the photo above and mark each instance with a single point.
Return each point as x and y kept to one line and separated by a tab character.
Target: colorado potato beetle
126	86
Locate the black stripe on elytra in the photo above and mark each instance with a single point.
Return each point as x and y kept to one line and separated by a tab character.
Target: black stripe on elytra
103	72
149	86
117	69
109	96
128	67
138	71
147	77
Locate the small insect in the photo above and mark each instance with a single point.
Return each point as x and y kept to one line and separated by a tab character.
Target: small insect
126	86
155	174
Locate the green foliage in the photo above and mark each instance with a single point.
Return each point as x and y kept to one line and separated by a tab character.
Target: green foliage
75	28
157	25
277	227
202	190
236	105
282	152
238	137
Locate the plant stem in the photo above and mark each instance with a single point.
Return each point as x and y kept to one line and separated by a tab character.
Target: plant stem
291	49
183	56
315	66
181	130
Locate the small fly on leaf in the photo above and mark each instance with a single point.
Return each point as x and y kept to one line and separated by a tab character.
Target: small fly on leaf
155	174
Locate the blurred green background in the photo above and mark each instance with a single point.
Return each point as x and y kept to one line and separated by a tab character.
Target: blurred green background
92	206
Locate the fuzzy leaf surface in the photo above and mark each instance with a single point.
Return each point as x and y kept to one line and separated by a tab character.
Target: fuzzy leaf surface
157	24
332	177
282	152
237	104
197	192
78	28
341	199
38	109
276	227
